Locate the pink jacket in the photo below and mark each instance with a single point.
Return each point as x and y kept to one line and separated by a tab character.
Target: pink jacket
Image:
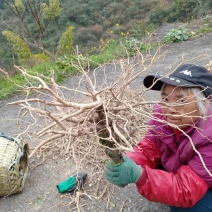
184	180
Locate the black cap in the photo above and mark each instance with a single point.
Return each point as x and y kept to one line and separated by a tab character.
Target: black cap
186	75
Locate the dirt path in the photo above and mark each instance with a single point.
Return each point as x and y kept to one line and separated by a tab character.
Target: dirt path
40	193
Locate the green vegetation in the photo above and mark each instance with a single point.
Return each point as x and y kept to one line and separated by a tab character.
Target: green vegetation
20	47
65	46
9	87
51	11
177	35
181	11
42	25
43	40
206	27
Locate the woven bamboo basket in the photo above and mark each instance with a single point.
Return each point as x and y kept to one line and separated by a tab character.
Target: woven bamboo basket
13	165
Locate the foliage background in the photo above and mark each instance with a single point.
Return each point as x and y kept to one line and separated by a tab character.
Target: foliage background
98	21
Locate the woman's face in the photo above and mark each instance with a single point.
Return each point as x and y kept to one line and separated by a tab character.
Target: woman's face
179	106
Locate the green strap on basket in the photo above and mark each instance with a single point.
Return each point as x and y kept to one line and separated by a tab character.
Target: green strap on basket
19	145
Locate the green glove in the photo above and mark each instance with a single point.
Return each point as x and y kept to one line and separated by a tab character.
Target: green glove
65	185
72	183
123	174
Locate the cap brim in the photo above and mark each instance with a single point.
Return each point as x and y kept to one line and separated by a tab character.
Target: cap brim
156	82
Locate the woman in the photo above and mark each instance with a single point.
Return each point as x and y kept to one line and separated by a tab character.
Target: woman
173	163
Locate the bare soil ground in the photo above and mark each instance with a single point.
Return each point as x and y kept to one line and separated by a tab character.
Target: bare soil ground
40	193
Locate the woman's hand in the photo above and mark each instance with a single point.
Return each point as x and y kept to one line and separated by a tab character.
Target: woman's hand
124	173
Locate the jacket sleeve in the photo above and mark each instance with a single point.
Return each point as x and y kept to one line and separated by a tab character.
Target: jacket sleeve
182	189
196	164
147	153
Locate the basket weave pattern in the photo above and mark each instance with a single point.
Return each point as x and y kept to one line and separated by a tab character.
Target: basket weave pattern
13	166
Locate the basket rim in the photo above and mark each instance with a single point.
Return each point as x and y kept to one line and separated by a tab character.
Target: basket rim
17	142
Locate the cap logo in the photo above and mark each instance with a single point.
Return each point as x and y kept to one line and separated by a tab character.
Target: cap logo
186	72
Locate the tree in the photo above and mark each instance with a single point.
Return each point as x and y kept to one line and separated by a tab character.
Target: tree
65	46
22	51
41	14
19	7
20	47
52	11
184	9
